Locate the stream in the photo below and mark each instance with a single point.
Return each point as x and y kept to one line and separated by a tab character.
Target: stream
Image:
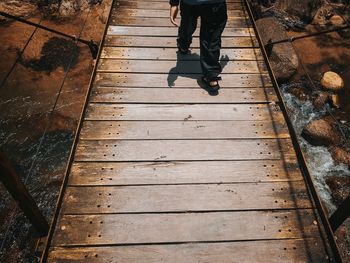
318	158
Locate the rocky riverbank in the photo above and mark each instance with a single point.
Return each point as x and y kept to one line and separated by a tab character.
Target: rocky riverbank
314	74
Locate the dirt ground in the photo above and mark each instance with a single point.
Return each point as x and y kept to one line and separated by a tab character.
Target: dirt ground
44	80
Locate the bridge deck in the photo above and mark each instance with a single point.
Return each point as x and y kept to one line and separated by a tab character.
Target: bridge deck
164	172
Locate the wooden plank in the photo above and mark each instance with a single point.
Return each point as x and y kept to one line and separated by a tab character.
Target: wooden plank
105	174
167	1
178	80
267	251
161	5
172	54
130	12
170	42
183	95
161	130
177	67
171	31
183	112
184	227
184	150
122	19
189	198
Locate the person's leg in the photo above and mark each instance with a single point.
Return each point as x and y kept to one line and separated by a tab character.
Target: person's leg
188	25
213	22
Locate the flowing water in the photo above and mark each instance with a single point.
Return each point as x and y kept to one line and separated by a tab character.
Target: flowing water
319	159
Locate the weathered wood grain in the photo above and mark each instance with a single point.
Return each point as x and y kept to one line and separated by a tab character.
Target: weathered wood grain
266	251
171	31
172	54
183	172
184	150
181	95
123	19
183	112
177	67
185	227
164	172
161	5
178	80
132	12
136	130
170	42
189	198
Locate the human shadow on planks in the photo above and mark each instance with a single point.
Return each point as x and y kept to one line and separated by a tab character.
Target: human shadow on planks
187	69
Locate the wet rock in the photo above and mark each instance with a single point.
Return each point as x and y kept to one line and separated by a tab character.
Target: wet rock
340	188
320	99
304	9
323	15
321	132
299	93
67	8
64	8
283	58
337	20
341	156
71	7
343	240
332	81
20	8
335	100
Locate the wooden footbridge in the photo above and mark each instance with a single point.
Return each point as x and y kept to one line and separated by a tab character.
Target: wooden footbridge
164	172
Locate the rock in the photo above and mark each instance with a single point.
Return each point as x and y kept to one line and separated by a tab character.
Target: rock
322	15
341	156
17	8
337	20
335	100
340	188
299	93
67	8
332	81
283	58
321	132
320	99
304	9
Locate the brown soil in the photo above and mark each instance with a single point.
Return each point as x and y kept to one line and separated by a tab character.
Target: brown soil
41	99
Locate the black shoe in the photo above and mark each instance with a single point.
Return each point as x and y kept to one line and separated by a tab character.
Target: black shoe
183	51
210	87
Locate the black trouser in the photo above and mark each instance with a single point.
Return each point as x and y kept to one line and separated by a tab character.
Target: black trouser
213	22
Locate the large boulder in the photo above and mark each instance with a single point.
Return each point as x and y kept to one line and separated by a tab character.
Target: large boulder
283	58
304	9
19	8
340	187
341	156
337	20
321	132
332	81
